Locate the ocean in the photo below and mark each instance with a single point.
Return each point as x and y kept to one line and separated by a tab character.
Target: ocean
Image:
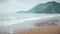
10	19
20	22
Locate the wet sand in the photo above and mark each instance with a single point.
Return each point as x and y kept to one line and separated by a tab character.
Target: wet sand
52	30
49	26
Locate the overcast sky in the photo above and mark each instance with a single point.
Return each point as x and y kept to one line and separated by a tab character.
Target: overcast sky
11	6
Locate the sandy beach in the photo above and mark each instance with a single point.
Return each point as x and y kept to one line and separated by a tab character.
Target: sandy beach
53	30
48	26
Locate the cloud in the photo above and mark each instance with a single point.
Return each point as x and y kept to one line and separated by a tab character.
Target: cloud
11	6
15	5
3	1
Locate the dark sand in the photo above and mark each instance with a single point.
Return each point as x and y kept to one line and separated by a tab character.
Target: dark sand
39	26
52	30
49	26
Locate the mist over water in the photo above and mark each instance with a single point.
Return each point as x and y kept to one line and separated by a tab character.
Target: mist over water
10	19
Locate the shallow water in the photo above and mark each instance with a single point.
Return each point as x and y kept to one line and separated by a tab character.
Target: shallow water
10	19
20	22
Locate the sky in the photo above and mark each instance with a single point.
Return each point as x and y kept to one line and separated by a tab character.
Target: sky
11	6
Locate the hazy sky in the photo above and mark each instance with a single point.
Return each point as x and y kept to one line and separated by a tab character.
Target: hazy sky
11	6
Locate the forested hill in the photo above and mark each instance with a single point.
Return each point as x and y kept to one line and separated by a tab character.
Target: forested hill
49	7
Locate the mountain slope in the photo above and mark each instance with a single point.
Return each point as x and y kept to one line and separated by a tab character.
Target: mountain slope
49	7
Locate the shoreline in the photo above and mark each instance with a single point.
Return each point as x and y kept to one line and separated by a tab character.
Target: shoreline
53	30
48	28
31	24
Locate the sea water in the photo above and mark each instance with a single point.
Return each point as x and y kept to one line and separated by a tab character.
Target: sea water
22	21
10	19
